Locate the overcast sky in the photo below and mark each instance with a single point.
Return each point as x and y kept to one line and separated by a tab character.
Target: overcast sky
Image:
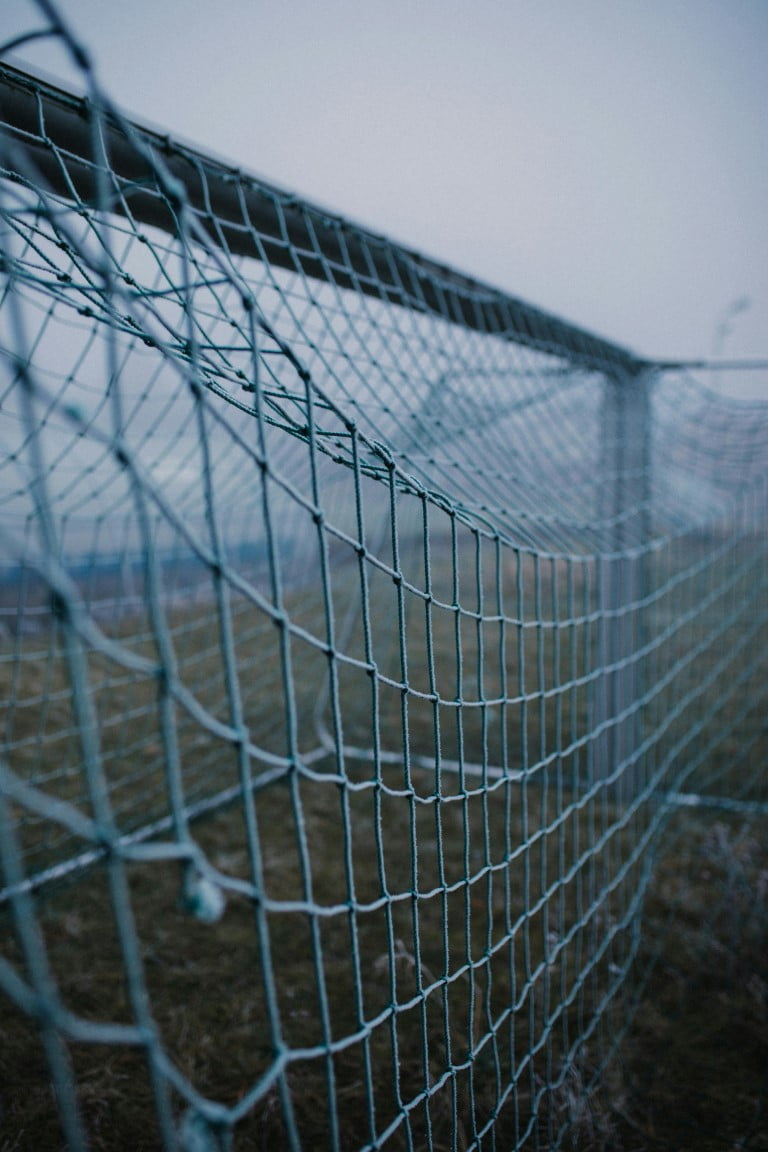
604	159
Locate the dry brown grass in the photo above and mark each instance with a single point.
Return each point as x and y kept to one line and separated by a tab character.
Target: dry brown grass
696	1062
448	895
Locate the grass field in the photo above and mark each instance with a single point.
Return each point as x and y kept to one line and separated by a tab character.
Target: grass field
424	956
694	1064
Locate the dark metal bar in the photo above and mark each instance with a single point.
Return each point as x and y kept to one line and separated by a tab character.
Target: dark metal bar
251	217
746	365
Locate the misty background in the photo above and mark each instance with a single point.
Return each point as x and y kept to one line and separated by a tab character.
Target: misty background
603	159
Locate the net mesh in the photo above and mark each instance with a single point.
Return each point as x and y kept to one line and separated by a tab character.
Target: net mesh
435	607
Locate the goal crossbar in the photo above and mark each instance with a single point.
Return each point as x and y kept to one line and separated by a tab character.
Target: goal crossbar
251	217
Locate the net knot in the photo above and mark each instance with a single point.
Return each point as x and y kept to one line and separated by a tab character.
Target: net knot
201	897
175	191
384	454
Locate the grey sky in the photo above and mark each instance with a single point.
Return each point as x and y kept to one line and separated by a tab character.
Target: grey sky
605	159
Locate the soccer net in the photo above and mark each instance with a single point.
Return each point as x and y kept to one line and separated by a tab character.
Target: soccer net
432	605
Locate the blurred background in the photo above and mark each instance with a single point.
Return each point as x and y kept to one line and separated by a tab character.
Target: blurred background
605	160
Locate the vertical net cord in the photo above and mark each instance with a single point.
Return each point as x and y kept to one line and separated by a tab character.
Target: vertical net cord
87	729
